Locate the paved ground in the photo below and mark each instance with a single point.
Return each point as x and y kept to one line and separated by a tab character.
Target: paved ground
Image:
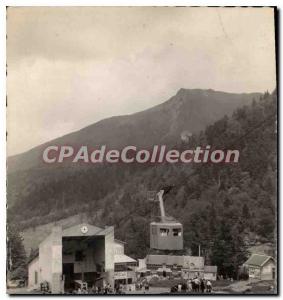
248	287
22	291
152	290
237	287
17	291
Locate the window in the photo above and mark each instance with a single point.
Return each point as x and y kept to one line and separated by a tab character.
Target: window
120	268
177	232
254	271
164	231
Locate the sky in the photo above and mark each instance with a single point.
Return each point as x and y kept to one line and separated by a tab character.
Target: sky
69	67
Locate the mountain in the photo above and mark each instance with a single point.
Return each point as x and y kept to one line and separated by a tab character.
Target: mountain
190	110
224	208
38	193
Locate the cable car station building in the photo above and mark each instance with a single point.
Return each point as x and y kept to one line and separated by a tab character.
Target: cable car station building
81	253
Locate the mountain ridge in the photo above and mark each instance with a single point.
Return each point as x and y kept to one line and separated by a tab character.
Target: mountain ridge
188	109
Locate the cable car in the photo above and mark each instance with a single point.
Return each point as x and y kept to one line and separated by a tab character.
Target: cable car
166	234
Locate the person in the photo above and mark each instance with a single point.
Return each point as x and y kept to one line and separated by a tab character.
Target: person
105	289
173	289
116	288
193	285
179	287
92	290
197	283
146	287
271	288
190	287
208	286
202	286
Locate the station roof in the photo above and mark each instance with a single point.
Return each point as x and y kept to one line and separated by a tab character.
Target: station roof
171	223
143	270
165	259
258	260
122	259
186	261
85	229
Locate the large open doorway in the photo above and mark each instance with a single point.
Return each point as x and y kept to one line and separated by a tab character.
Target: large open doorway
83	262
68	275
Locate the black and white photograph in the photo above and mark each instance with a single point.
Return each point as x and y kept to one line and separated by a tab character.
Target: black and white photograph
142	150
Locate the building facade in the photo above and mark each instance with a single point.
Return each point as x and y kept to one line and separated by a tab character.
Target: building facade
261	267
175	265
70	256
184	266
124	269
210	273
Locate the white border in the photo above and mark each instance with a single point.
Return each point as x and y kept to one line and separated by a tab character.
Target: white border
5	3
141	3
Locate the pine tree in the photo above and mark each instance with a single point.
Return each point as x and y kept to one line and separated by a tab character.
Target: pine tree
16	256
228	251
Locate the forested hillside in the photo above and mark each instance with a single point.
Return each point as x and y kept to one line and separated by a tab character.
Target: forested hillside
223	207
36	189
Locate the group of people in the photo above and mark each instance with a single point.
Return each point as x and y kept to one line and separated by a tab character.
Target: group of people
199	285
107	289
142	286
195	285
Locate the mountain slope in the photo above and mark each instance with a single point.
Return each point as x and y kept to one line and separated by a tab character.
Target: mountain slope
235	201
190	110
39	190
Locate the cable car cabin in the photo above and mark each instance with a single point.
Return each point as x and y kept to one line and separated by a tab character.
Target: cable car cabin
166	235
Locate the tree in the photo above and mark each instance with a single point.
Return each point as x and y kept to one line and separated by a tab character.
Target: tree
246	212
16	256
228	251
19	273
